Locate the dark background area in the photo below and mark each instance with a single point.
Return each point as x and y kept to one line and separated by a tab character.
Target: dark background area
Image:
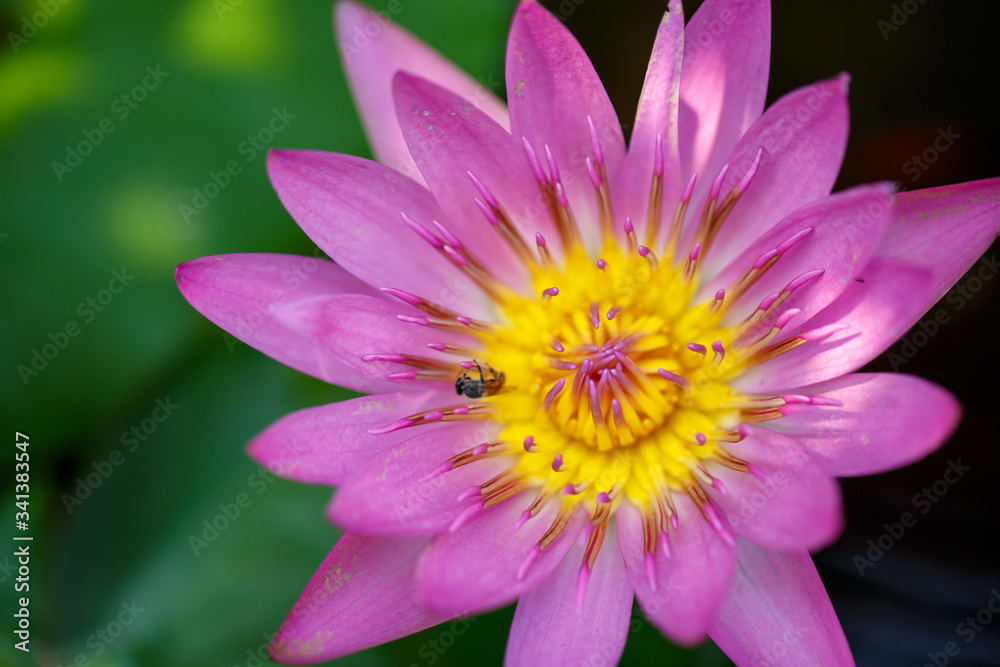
126	545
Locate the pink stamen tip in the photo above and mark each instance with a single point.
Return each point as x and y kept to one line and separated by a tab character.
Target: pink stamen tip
718	348
658	156
394	426
553	167
532	555
717	185
628	226
462	410
719	486
643	251
467	321
700	438
397	358
539	240
454	256
803	279
595	178
488	213
595	141
768	301
603	498
406	297
467	365
529	444
561	196
595	315
553	392
788	243
536	164
748	177
789	399
440	347
448	236
693	255
484	191
557	463
569	489
764	259
595	405
403	375
523	519
614	311
562	365
697	348
616	410
757	472
465	517
435	416
787	317
665	542
651	571
601	264
551	291
689	190
824	401
557	346
470	492
680	381
582	580
479	450
716	523
421	231
720	295
674	521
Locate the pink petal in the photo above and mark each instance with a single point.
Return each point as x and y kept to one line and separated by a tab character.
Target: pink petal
362	595
448	139
945	230
803	135
845	231
551	90
877	308
778	613
656	116
727	50
403	491
476	567
886	421
329	443
353	326
690	582
350	207
247	295
787	502
551	628
373	49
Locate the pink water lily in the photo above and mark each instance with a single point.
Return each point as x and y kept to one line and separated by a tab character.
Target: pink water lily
596	373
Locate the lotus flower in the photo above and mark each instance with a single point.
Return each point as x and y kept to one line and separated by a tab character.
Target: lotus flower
595	373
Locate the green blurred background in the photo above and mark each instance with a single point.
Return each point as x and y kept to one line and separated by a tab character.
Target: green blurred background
224	68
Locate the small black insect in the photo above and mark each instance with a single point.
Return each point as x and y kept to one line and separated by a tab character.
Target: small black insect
859	280
488	383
